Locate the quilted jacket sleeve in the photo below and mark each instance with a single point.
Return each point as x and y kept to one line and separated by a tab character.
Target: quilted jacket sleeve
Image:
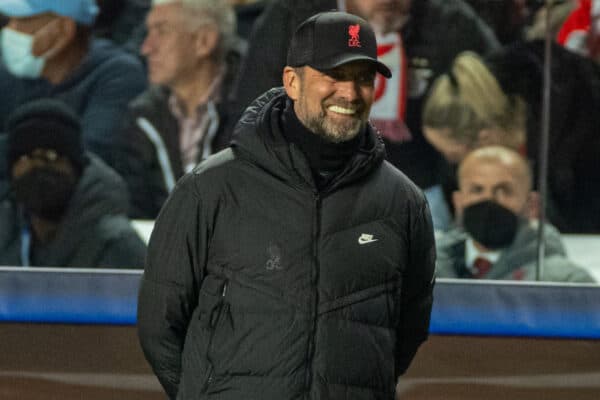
169	289
417	290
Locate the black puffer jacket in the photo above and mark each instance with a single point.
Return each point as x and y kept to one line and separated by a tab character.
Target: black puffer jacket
257	286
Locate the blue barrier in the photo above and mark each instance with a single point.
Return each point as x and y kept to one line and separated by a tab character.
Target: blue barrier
68	296
503	308
486	308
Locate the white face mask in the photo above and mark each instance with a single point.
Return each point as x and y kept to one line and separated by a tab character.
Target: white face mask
17	54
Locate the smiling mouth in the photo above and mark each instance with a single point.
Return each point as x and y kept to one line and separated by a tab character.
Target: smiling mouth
342	110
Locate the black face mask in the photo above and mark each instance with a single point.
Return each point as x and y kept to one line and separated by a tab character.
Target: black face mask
490	224
44	192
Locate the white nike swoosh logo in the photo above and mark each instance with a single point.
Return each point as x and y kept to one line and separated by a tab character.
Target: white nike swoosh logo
362	240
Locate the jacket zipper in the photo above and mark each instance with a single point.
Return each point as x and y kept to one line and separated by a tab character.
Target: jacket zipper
214	322
315	282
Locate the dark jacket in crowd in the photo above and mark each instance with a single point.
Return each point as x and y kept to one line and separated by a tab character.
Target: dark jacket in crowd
98	91
3	167
94	233
247	14
436	32
574	142
122	21
149	155
259	286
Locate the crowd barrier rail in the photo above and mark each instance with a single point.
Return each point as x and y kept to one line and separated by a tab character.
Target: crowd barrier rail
499	308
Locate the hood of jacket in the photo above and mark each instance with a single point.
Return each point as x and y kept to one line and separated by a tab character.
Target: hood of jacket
100	191
258	139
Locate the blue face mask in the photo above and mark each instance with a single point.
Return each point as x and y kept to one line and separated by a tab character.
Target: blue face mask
17	54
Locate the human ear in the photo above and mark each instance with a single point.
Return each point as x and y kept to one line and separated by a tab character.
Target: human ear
206	41
291	83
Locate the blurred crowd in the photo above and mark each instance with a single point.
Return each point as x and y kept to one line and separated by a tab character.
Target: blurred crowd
105	104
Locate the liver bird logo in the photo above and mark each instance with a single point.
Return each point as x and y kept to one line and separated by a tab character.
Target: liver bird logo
353	31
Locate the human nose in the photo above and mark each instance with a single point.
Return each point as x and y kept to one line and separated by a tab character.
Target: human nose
486	194
147	44
494	196
347	90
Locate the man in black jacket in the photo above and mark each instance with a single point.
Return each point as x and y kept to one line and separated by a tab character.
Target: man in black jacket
297	264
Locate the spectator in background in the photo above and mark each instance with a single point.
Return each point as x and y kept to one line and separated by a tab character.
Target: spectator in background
507	18
67	208
499	102
47	51
497	238
192	57
247	11
538	24
122	22
432	32
467	108
581	31
3	167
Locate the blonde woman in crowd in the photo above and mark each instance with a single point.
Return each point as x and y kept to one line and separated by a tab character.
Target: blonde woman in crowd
468	109
498	102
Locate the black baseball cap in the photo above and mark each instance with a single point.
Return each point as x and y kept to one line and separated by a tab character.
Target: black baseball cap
330	39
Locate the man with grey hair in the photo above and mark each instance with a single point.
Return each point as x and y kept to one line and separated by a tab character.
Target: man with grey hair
192	56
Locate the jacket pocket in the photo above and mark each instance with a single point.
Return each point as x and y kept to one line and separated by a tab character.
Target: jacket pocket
216	317
197	365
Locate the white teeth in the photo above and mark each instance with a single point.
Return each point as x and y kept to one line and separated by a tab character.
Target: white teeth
341	110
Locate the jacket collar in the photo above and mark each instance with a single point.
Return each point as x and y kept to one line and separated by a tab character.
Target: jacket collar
258	138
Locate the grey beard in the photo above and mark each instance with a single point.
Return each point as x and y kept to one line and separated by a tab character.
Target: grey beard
335	133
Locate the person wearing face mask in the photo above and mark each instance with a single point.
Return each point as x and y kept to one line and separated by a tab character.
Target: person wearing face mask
65	208
496	237
47	50
497	101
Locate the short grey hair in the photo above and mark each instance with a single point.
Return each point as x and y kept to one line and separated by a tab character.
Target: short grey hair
218	12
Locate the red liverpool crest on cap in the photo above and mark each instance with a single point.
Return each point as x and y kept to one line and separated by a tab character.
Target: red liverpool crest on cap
354	40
